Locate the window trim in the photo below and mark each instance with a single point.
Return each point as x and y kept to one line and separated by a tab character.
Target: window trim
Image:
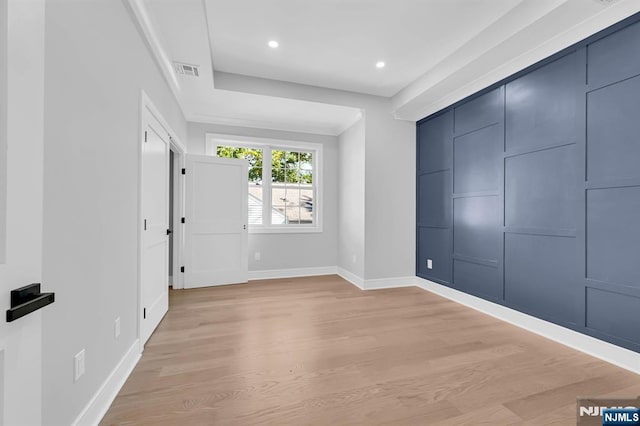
212	140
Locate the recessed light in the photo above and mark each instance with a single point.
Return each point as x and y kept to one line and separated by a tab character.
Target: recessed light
380	64
273	44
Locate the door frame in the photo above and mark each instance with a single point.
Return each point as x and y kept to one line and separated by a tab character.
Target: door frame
178	212
179	149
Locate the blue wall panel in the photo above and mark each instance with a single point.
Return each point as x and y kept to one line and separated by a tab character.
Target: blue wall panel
613	314
434	207
615	57
613	235
541	106
435	245
540	272
541	189
435	155
434	203
613	128
478	279
475	223
476	160
539	203
478	148
480	112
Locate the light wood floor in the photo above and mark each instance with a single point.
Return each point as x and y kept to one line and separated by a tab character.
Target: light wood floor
318	351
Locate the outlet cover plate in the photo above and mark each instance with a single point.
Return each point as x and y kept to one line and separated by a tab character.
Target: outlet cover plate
78	365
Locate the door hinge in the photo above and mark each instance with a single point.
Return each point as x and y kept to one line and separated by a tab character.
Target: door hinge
182	269
145	224
182	220
145	135
144	313
184	171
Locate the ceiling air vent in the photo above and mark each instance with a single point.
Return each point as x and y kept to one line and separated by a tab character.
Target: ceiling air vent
187	69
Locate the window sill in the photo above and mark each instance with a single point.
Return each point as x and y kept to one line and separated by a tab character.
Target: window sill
286	230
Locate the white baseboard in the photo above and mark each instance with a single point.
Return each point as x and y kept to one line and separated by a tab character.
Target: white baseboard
380	283
95	410
375	283
351	277
269	274
625	358
361	283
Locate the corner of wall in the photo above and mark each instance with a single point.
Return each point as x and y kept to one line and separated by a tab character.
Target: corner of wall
351	277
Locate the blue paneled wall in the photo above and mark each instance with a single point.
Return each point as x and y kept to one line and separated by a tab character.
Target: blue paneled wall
528	193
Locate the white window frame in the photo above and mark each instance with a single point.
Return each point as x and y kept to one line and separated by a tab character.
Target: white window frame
213	140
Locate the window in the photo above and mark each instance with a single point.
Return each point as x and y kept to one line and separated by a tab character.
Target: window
283	179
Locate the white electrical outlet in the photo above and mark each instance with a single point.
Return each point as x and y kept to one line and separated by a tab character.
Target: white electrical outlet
429	264
257	255
78	366
354	259
116	328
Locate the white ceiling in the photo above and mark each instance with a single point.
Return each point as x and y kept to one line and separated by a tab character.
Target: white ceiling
336	43
436	51
177	32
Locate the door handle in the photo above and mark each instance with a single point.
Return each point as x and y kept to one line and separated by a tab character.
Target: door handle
169	231
27	299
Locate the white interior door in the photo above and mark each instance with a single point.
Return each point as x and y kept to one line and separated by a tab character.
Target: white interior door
215	221
154	268
21	211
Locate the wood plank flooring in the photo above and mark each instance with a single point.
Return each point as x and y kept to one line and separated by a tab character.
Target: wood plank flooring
319	351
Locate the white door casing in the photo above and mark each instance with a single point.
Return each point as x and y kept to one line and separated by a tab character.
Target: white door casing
216	213
21	200
178	210
154	268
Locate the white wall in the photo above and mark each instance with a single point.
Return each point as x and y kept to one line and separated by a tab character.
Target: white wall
351	199
389	172
3	125
390	193
288	251
96	64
